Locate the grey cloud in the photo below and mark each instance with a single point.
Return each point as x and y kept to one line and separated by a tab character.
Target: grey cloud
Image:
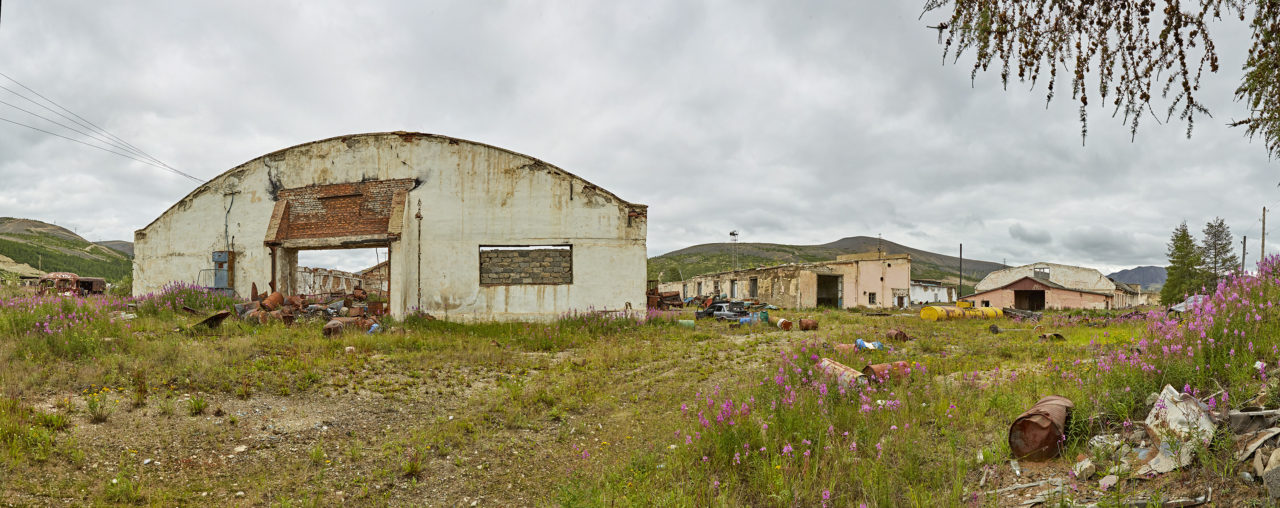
1032	236
796	123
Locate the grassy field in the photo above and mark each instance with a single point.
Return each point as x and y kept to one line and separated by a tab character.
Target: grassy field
115	401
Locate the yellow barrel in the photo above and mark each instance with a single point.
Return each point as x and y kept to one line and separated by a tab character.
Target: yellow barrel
945	312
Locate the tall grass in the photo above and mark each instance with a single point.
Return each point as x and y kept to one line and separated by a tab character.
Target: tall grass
798	438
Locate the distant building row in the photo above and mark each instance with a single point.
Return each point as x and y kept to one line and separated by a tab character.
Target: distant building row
871	279
879	280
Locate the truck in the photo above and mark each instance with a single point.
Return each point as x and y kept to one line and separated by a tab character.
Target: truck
70	284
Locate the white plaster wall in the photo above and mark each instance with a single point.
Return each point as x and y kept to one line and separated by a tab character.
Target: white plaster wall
470	194
921	293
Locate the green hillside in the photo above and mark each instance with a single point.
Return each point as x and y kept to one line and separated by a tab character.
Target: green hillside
51	248
718	257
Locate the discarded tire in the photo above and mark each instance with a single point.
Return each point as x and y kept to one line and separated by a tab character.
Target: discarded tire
1038	433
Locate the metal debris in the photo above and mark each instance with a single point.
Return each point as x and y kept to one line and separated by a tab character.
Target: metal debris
898	335
215	320
884	371
1037	434
844	374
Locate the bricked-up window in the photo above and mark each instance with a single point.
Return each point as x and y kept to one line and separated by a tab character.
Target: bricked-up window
537	264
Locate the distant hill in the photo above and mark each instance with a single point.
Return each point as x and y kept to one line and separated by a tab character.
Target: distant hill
44	247
718	257
119	246
1147	276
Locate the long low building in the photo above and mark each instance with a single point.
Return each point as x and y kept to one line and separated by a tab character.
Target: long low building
1041	286
871	279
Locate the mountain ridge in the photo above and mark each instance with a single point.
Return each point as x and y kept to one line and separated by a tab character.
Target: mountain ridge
33	247
1146	276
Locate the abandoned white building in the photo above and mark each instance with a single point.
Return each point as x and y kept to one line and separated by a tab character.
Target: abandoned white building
924	292
871	279
474	232
1040	286
319	281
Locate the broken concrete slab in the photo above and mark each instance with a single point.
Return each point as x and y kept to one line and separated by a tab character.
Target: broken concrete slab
1246	444
1271	476
1084	469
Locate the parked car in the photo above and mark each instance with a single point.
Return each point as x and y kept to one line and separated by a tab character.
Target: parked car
723	310
1191	301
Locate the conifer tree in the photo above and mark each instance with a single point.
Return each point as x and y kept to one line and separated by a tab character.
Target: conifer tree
1184	276
1219	252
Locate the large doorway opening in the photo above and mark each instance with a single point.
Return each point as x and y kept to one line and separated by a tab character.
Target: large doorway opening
829	291
1028	299
340	271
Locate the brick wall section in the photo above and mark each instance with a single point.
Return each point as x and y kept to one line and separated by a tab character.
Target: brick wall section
533	266
342	209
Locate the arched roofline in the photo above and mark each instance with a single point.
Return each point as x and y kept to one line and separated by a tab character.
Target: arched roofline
403	135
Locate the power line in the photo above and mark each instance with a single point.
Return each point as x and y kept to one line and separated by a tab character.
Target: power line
65	117
64	126
100	129
125	155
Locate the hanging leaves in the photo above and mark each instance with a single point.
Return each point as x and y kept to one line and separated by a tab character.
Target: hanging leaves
1136	50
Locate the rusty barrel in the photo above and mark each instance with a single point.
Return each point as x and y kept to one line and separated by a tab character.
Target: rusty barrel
884	371
808	324
845	374
273	301
780	323
897	335
1038	433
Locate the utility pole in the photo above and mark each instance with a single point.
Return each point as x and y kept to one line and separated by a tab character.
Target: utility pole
1244	249
1262	251
960	284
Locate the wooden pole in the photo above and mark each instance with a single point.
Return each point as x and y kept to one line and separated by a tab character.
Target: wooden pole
1244	251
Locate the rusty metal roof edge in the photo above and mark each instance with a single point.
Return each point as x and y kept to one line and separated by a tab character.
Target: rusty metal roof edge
401	134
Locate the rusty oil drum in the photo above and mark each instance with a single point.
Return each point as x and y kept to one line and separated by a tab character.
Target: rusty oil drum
884	371
1038	433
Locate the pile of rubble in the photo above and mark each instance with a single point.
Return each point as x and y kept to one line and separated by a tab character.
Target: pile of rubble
1177	426
341	312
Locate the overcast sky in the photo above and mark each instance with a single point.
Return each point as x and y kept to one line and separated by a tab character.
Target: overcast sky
792	122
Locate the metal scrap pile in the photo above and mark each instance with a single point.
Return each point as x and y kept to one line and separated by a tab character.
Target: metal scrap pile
663	300
340	312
